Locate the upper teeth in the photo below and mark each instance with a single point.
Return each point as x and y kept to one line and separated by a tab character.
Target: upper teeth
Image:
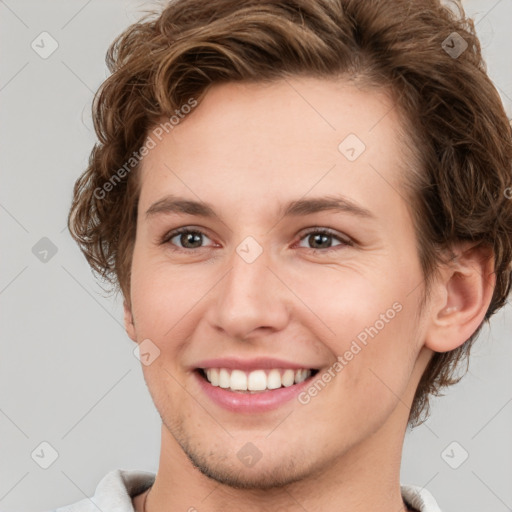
257	380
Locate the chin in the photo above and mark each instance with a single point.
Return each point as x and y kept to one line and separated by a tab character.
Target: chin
227	469
230	474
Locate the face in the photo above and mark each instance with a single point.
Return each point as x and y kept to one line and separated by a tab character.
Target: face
267	281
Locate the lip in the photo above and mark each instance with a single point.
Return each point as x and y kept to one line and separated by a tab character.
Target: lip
258	363
251	403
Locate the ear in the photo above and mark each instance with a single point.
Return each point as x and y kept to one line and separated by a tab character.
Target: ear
463	294
128	321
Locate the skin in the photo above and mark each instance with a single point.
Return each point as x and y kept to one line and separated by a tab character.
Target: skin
246	149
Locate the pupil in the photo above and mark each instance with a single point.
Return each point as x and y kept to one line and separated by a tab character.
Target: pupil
320	237
187	238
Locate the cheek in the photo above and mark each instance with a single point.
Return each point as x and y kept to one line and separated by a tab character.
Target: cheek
372	321
163	297
346	301
374	369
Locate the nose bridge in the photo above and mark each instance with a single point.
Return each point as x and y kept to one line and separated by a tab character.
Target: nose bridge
250	295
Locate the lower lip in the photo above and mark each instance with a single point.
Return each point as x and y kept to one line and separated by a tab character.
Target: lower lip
251	402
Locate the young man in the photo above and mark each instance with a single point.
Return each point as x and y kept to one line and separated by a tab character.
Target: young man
304	204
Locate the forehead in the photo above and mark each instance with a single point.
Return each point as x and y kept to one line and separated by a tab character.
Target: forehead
254	140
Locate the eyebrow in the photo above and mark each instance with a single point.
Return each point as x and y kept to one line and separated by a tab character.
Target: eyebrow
299	207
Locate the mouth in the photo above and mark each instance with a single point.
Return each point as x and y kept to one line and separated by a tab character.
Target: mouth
259	381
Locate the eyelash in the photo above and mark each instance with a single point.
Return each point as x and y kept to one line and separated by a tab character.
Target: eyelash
314	231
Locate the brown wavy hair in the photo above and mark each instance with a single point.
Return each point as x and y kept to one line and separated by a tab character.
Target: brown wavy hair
459	133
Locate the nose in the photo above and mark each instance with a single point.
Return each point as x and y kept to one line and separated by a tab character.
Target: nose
251	298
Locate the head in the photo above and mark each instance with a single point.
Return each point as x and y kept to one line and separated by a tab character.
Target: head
248	106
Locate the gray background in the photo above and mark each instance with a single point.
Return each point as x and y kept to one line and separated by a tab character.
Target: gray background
68	375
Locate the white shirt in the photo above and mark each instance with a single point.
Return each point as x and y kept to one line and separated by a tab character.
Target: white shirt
115	491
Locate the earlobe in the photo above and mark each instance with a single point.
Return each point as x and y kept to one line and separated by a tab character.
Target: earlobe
467	285
128	321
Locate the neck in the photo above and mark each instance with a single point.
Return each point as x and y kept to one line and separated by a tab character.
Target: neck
364	478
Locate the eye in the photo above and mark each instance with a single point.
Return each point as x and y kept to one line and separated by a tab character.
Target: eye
322	240
188	238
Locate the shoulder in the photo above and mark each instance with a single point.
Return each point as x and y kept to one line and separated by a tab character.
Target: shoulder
419	498
115	489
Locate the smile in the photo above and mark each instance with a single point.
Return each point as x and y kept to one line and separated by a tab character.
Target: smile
255	381
253	391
